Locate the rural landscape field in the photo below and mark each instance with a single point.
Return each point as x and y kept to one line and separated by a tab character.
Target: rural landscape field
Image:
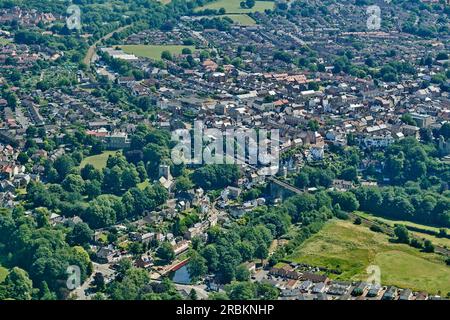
350	248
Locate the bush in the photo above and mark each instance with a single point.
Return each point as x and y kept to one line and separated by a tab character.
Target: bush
357	221
341	215
376	228
416	244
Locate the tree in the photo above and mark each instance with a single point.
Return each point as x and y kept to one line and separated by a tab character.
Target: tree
261	252
63	166
165	252
93	189
241	291
193	294
130	287
211	256
197	265
18	285
80	234
183	184
250	3
99	281
428	246
402	234
357	221
73	183
242	273
166	55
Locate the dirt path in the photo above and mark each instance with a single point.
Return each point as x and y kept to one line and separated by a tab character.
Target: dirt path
91	51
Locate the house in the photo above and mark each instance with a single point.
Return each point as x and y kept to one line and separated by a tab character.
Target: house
390	294
319	287
106	254
342	185
315	278
406	294
144	261
306	285
374	290
360	289
7	186
339	288
285	272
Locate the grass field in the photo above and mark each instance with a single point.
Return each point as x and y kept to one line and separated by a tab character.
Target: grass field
242	19
444	242
98	161
233	6
352	248
3	273
144	184
153	51
4	41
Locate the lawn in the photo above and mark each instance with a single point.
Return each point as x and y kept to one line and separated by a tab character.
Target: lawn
242	19
98	161
352	248
154	51
144	184
4	41
233	6
443	242
3	273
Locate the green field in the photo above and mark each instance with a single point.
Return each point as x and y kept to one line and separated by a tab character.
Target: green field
3	273
233	6
154	51
4	41
242	19
144	184
352	248
444	242
98	161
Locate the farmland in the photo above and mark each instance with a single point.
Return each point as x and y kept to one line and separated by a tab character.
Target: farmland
350	248
443	242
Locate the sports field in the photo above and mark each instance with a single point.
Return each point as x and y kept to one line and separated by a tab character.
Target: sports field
234	6
154	51
341	245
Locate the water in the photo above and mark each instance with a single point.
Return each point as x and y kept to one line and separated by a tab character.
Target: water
182	276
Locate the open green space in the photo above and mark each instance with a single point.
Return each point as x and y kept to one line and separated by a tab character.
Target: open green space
242	19
234	6
3	273
154	51
350	248
98	161
444	242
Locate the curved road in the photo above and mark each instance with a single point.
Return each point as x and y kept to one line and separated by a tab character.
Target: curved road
91	51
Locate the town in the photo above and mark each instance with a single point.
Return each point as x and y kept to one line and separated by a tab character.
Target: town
359	119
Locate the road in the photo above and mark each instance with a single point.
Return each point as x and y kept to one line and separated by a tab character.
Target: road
80	292
92	49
